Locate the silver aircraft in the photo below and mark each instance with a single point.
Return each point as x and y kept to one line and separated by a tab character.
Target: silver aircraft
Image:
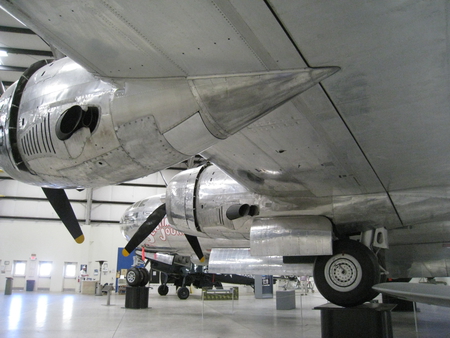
166	250
326	124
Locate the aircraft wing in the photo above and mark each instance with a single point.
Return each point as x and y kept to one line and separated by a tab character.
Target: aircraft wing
417	292
139	38
376	127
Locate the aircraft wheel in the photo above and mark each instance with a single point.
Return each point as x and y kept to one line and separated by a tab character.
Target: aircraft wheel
145	276
346	278
133	277
163	290
183	292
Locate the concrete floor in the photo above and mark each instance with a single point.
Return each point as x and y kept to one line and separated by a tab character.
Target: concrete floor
36	314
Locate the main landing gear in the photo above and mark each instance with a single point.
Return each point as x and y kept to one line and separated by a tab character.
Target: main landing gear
346	278
182	291
163	289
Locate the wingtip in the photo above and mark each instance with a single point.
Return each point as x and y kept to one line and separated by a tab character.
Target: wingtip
125	253
202	259
79	239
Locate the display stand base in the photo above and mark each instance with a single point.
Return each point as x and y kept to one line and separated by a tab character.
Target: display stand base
285	300
370	320
136	297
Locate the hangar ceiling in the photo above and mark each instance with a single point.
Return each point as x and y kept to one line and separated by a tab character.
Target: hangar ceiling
22	46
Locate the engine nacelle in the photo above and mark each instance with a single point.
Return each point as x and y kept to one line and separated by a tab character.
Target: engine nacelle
63	127
206	202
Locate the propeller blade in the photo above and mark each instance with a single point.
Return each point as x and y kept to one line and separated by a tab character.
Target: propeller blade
145	229
195	244
61	204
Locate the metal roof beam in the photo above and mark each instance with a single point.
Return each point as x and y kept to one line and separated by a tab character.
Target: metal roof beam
27	51
13	68
16	30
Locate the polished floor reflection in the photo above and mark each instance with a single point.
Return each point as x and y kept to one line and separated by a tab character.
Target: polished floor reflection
34	314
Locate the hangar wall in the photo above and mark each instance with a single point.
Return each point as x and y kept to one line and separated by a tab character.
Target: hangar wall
29	227
50	242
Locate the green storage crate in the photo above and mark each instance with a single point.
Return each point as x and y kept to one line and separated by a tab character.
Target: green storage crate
220	294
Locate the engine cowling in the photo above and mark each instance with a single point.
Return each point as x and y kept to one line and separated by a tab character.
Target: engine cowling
206	202
65	127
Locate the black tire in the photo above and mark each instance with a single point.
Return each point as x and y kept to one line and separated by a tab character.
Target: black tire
133	277
346	278
145	276
183	292
163	290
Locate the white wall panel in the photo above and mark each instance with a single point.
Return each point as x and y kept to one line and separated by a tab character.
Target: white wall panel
50	241
8	188
107	212
7	207
29	190
14	188
103	194
30	208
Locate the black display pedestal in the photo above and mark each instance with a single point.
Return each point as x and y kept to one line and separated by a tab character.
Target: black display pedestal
136	297
370	320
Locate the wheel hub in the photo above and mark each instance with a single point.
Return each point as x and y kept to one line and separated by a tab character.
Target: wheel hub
343	272
131	277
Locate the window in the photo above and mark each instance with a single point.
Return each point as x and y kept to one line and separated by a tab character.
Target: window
70	270
45	269
20	268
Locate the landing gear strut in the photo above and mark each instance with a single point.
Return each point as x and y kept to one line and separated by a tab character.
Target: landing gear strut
346	278
183	291
163	289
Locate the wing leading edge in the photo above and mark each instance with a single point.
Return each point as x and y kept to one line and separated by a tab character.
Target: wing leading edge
417	292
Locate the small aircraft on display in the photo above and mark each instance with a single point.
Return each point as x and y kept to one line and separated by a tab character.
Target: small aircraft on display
181	272
325	129
166	250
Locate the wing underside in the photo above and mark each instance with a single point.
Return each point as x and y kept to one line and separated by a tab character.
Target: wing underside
365	135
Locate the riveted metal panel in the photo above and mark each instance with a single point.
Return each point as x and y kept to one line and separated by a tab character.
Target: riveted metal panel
198	137
141	137
291	236
240	261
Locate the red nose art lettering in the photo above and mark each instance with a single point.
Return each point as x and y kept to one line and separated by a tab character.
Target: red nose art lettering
162	231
